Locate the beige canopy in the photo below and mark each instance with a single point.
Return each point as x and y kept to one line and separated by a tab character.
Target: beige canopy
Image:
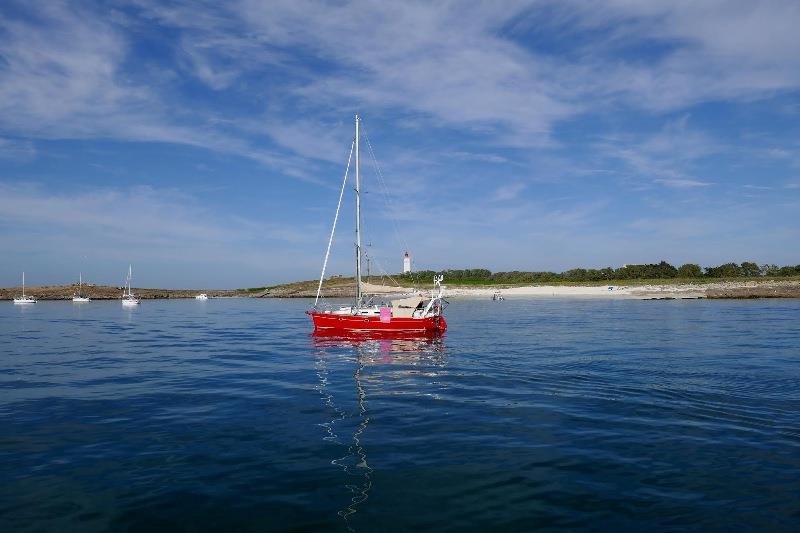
404	308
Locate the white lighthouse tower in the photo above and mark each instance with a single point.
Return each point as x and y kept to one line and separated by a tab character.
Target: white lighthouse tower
406	263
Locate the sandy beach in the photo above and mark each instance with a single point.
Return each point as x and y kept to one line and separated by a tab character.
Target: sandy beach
562	291
723	289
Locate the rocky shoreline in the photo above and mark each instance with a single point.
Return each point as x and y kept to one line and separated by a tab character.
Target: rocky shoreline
105	292
788	289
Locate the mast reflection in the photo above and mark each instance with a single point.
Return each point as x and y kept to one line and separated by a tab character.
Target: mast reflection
365	351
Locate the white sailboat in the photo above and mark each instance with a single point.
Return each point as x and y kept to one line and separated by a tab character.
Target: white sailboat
79	296
127	297
24	299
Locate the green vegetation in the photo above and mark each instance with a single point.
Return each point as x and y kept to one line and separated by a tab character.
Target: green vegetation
657	272
254	289
626	275
300	286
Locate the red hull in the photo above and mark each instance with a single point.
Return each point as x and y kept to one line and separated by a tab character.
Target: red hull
373	324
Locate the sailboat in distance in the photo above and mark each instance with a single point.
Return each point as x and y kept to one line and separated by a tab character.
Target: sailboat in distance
416	314
79	296
24	299
128	299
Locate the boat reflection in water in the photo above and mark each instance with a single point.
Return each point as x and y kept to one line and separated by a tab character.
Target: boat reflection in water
373	360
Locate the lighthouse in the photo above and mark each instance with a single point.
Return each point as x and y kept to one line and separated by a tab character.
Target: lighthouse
406	263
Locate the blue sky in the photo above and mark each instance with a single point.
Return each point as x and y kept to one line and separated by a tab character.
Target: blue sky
205	142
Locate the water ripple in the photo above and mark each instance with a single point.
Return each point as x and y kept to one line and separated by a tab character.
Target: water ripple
579	414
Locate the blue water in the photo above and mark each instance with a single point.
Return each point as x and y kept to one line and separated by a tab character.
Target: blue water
527	414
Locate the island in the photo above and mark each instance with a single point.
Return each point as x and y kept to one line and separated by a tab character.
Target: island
656	281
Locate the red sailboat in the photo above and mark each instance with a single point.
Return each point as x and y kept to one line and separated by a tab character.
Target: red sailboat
414	314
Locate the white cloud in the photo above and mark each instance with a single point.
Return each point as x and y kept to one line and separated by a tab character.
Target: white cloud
680	183
706	51
443	60
473	156
65	75
472	66
508	192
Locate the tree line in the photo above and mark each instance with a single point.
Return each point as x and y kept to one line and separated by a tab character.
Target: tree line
662	270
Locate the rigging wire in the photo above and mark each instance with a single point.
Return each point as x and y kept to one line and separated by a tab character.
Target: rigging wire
335	219
385	273
384	190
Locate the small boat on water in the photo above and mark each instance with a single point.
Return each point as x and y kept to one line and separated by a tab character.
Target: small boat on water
128	299
201	296
414	314
79	296
22	300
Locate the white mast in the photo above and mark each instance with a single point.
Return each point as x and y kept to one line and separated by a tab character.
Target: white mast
358	221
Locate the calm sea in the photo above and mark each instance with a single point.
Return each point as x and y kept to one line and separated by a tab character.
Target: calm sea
228	415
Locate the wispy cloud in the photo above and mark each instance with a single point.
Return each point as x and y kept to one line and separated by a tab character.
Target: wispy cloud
476	156
59	69
67	73
666	157
472	96
508	192
681	183
158	227
17	149
707	51
725	230
446	61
